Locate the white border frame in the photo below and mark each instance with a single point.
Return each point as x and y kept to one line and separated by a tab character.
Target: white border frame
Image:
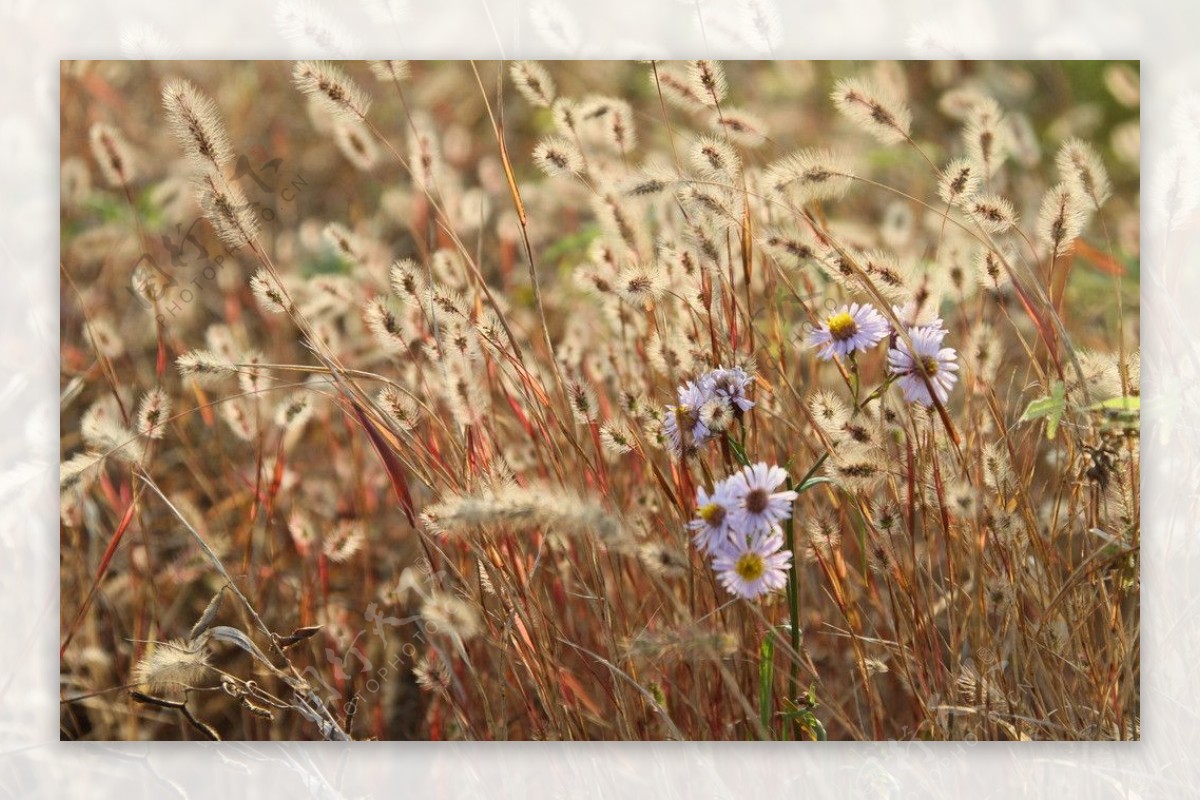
34	763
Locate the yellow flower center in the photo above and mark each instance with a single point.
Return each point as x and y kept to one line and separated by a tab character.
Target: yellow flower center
841	326
713	514
750	566
929	365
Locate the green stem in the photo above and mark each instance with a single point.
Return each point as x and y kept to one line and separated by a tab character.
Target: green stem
875	393
793	593
766	675
793	585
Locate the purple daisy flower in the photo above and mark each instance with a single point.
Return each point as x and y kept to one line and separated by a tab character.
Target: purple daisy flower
758	506
693	396
752	566
678	423
714	514
682	424
927	359
731	385
851	328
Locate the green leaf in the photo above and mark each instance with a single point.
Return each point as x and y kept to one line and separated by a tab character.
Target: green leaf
1128	403
739	452
766	672
812	482
1050	407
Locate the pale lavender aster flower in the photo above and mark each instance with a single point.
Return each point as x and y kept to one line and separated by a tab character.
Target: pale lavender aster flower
694	395
714	514
730	384
677	425
926	359
851	328
753	566
758	506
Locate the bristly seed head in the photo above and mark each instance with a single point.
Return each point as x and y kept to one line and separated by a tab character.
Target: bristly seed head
331	88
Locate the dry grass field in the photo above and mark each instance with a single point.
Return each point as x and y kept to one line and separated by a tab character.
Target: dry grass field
600	401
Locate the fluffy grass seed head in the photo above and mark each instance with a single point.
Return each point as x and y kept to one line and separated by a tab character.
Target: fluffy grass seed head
113	155
356	144
811	174
197	125
557	155
80	470
522	509
433	674
295	410
828	411
386	325
858	468
714	158
399	407
993	213
1080	166
663	560
892	276
584	406
252	376
102	430
534	82
174	666
959	181
997	469
345	243
332	89
982	353
990	269
396	71
240	419
204	367
75	182
226	207
873	110
739	126
987	137
616	439
102	336
452	616
676	87
640	285
152	414
408	283
708	82
345	540
1061	219
792	248
608	121
269	295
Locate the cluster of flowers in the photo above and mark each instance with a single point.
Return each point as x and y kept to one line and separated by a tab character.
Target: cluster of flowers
919	361
706	408
737	524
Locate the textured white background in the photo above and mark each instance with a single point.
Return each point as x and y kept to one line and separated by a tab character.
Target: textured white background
35	34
